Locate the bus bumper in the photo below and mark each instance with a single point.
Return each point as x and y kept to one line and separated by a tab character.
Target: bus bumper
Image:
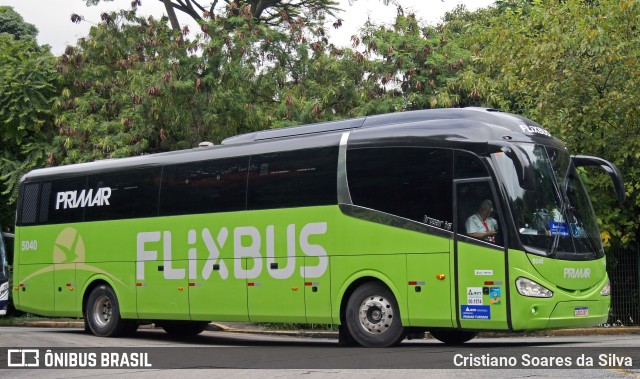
563	314
576	314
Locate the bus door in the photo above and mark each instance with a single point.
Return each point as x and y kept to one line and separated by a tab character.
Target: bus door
479	257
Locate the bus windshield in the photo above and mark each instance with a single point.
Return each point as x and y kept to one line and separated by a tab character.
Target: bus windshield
555	217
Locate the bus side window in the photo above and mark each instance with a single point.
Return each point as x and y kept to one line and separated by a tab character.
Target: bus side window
203	187
124	194
477	214
57	200
414	183
29	206
299	178
468	165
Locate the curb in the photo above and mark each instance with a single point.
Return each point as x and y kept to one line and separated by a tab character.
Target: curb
222	327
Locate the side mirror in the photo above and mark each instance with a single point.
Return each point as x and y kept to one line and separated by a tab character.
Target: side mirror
610	168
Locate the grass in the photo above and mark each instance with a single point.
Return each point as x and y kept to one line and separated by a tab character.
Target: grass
13	320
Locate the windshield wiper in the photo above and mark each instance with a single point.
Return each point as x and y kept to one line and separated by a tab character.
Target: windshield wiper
564	207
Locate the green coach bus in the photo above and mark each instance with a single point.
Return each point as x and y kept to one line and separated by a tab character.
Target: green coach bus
362	223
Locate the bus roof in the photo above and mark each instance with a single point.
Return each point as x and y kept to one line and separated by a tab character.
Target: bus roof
450	125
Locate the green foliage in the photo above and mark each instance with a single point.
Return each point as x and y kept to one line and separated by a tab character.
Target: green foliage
11	22
27	84
121	87
411	65
272	12
135	86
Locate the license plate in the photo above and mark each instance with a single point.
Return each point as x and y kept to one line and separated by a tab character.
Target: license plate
581	312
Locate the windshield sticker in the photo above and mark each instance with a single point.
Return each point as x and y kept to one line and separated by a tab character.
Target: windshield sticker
475	312
575	230
559	229
474	295
494	294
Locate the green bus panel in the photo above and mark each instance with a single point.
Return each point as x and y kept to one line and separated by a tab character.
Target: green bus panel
317	293
428	291
214	297
271	299
65	291
481	287
35	289
163	292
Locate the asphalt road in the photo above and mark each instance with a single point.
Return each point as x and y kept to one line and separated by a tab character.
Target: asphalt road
153	354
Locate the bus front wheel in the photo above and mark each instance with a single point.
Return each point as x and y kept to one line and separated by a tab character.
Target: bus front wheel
372	316
453	337
102	314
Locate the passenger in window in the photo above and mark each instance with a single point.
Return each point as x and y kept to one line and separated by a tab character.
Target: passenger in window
481	225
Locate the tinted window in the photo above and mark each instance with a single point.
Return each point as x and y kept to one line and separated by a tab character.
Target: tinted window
125	194
469	166
63	200
298	178
29	204
52	202
476	212
202	187
413	183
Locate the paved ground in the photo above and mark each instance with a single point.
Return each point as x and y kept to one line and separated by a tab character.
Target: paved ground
248	327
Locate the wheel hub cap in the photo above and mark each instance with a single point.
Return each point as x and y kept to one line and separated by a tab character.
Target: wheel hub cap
376	314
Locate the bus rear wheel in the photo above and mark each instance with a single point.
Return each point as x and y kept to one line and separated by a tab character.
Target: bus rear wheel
453	337
184	328
372	316
102	314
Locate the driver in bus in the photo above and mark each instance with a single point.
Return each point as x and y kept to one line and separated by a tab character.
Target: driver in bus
481	225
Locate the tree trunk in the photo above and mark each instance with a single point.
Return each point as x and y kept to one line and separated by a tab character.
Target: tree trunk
175	25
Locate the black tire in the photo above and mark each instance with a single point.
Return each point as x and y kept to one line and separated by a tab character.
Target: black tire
184	328
372	316
453	337
102	315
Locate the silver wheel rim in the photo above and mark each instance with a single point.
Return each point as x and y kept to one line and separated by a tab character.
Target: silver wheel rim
102	309
375	314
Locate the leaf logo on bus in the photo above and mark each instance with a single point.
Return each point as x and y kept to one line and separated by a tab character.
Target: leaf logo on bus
69	253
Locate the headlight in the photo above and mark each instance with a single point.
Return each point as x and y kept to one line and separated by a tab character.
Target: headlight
527	287
606	290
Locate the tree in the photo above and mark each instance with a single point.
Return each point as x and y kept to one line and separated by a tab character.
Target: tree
135	86
11	22
271	12
409	65
128	89
28	82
